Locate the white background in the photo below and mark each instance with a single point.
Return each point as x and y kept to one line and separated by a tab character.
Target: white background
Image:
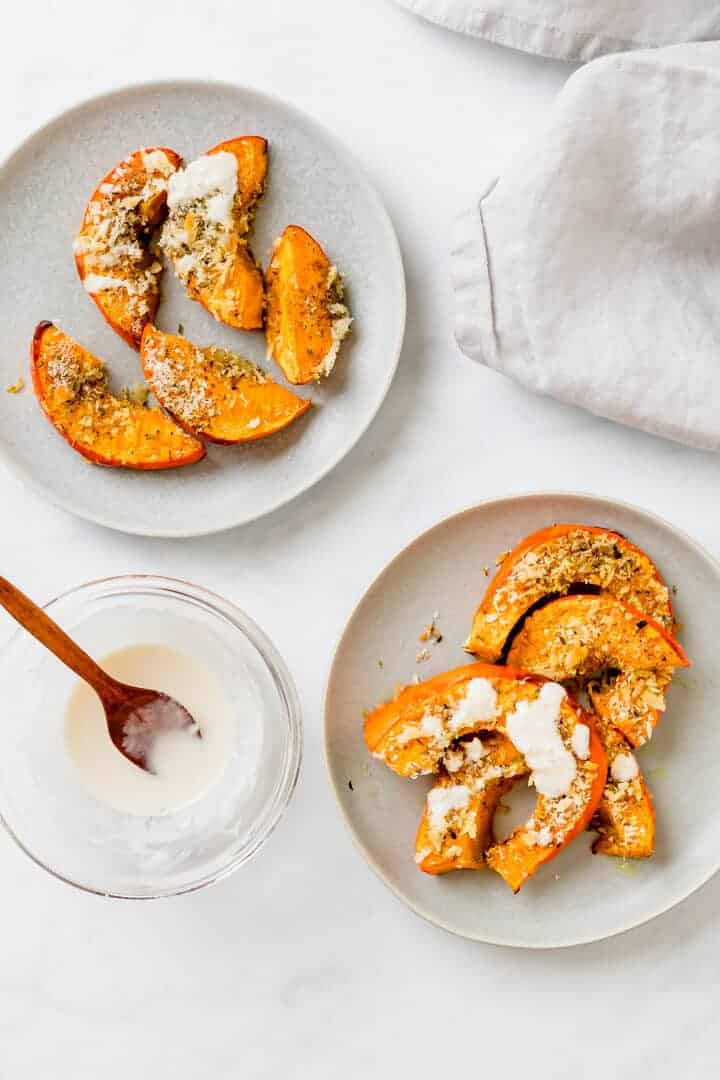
303	965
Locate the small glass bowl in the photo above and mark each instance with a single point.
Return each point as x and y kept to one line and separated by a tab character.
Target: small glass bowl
43	804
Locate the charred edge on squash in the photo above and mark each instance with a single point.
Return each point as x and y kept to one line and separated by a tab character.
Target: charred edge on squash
579	588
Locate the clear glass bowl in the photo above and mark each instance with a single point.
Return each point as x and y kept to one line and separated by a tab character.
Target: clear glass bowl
94	847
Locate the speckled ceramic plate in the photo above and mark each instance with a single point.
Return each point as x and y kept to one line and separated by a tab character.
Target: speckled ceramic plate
313	181
577	897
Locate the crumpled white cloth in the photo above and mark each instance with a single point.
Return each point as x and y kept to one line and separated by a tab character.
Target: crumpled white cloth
576	30
591	271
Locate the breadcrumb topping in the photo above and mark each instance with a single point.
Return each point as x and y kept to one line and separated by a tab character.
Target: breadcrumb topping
182	383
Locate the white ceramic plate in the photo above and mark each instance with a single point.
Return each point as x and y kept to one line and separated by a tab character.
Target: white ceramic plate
577	897
313	181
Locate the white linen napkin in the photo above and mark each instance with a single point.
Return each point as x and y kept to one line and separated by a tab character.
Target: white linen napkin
576	31
591	271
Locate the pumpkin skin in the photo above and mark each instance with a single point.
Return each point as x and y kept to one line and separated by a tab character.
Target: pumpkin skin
233	291
552	561
114	238
581	636
397	733
71	386
232	400
307	318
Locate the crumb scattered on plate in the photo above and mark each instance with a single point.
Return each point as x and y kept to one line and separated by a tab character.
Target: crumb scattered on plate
431	632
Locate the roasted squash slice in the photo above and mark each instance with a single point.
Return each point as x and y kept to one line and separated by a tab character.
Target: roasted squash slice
632	700
537	729
211	205
214	393
588	636
411	733
487	768
625	817
72	387
112	249
307	318
557	819
551	562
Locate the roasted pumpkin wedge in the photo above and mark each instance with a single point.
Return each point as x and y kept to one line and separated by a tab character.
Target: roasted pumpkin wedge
549	563
112	250
211	204
538	729
214	393
588	636
71	385
307	319
625	817
412	732
559	815
456	828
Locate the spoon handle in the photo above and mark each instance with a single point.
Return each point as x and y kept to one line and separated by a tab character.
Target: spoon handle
49	634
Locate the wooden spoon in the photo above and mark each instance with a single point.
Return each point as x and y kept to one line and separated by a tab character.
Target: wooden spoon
134	715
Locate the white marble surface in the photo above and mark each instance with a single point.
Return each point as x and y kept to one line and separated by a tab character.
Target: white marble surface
303	965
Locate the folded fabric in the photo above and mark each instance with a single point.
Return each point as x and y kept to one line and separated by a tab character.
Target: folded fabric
591	271
576	31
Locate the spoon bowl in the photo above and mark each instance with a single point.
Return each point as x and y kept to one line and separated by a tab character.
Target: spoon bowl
135	723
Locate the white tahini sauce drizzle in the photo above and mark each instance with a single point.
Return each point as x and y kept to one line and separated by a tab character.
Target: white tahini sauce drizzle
624	767
441	801
213	175
533	729
478	704
95	283
580	741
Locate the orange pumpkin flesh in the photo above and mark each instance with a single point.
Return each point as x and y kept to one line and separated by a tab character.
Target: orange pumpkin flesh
71	386
306	316
549	563
238	298
415	733
213	393
213	258
113	243
584	636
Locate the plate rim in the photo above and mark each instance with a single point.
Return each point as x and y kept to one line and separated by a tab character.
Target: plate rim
332	676
338	146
